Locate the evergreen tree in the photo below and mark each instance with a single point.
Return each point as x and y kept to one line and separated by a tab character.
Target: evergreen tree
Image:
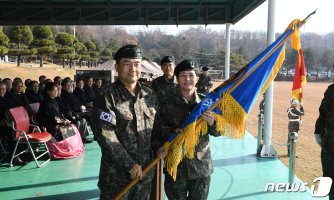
43	42
22	37
65	49
3	42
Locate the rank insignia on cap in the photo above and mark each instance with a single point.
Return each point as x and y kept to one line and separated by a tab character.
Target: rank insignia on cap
106	117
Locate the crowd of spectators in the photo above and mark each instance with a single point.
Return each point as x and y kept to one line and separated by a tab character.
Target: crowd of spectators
61	103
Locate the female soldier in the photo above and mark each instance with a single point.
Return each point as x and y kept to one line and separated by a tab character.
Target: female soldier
193	177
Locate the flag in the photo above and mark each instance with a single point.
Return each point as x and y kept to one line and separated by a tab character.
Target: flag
299	79
230	103
106	117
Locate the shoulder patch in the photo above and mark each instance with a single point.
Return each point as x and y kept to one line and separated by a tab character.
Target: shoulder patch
106	117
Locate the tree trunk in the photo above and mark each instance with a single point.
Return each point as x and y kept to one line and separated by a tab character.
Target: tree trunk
63	62
70	64
41	61
80	63
18	60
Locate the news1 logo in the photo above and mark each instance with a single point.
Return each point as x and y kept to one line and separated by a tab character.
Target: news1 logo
321	187
324	187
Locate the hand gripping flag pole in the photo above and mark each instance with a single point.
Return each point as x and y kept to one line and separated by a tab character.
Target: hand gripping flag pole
230	102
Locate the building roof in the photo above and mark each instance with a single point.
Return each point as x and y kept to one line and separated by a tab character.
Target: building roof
124	12
147	67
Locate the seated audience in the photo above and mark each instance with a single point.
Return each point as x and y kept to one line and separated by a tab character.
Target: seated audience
33	93
88	88
57	80
49	116
41	80
17	98
80	122
5	130
9	84
81	95
97	88
26	85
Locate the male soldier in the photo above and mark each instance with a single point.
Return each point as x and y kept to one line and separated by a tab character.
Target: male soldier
324	135
294	118
126	115
165	86
204	83
193	177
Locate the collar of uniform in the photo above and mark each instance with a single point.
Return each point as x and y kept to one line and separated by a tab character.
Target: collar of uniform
181	100
169	81
175	80
126	94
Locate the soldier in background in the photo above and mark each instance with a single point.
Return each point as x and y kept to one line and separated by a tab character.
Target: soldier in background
204	83
193	177
294	118
166	85
126	114
262	104
261	114
324	135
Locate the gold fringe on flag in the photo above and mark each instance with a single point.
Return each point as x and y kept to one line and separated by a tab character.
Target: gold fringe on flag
230	123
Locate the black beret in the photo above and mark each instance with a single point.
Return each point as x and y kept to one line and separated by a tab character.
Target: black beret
167	59
185	65
128	51
205	68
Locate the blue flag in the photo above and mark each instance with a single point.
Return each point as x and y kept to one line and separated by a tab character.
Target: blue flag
230	103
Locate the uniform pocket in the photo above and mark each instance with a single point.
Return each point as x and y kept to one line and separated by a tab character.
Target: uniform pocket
125	115
150	112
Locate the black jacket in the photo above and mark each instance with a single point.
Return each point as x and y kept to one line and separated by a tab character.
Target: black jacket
71	100
82	96
47	113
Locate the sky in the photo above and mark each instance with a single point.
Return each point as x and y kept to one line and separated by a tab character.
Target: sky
286	11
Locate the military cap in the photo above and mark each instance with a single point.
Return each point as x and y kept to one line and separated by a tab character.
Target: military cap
128	51
185	65
167	59
205	68
294	102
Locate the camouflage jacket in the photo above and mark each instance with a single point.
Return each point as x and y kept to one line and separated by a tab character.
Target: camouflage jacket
204	84
172	114
325	122
125	133
164	88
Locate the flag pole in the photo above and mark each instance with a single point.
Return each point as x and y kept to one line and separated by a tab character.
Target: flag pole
156	160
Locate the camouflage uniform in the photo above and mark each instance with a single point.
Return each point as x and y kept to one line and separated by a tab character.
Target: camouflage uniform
294	121
164	88
126	140
193	176
325	127
204	84
261	106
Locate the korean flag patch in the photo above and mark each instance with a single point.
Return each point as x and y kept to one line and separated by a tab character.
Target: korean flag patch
106	117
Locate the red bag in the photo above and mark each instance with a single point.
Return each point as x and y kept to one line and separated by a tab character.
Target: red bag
70	147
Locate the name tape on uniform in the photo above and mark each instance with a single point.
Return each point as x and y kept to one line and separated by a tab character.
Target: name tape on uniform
106	117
